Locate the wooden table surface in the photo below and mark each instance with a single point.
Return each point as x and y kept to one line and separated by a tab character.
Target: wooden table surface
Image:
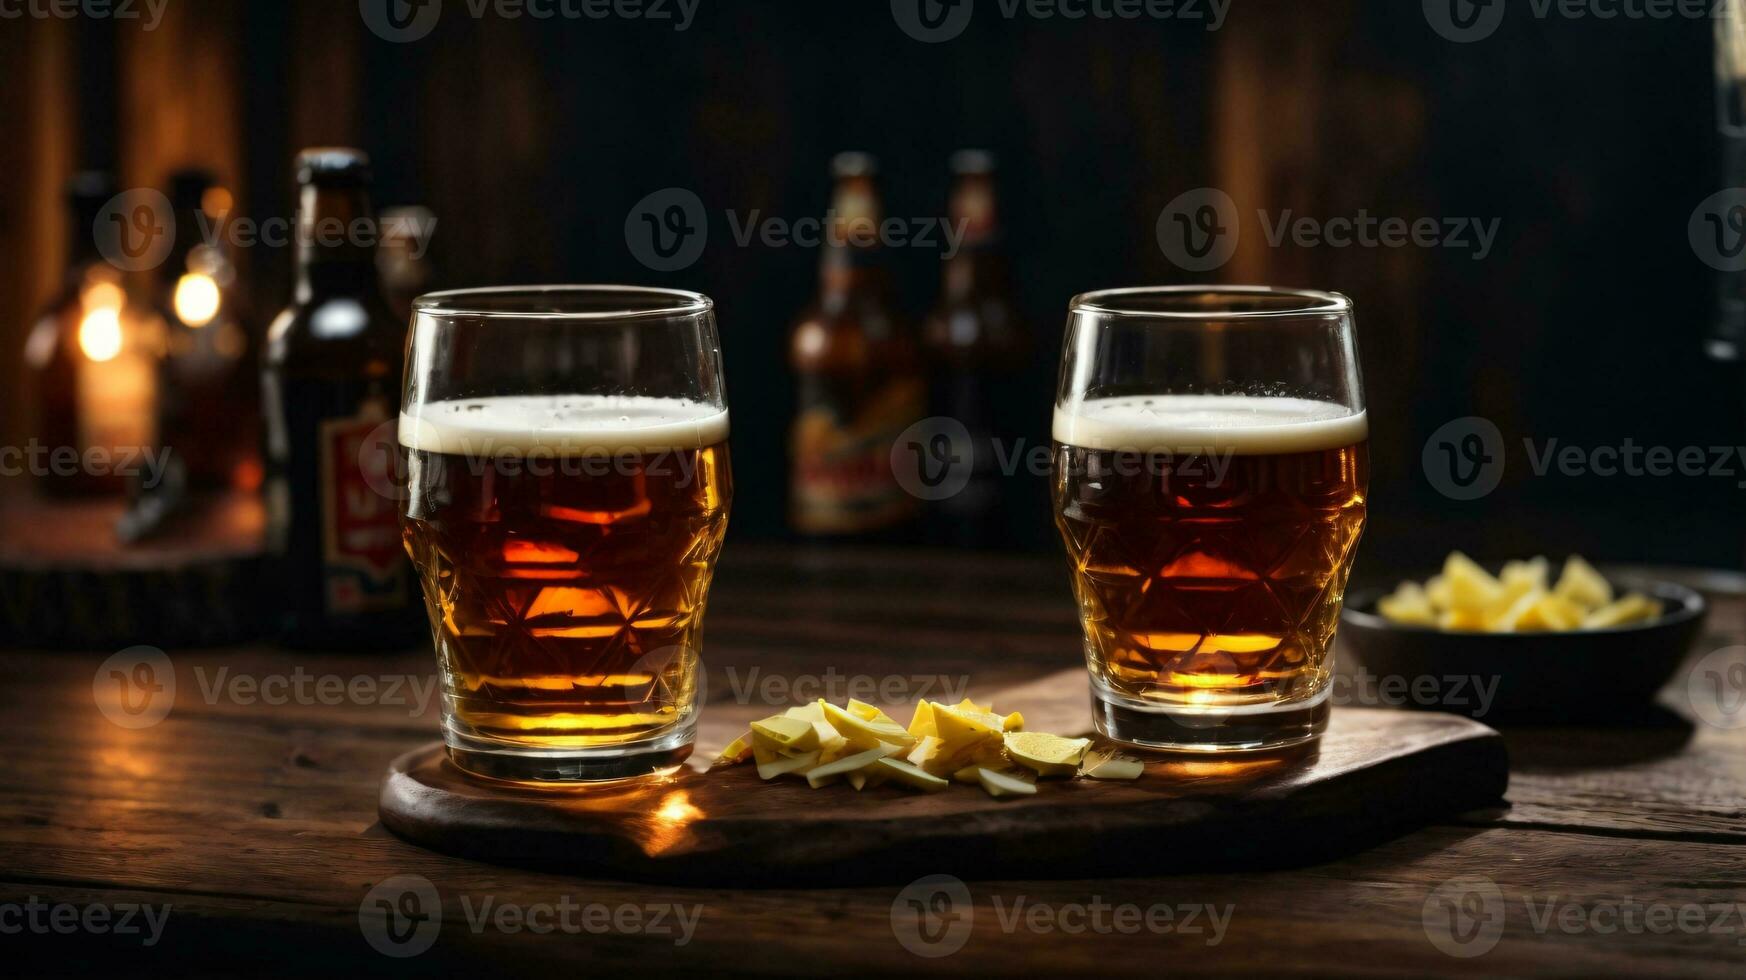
1620	851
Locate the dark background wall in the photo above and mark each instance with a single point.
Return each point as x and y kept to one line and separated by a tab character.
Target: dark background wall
1591	142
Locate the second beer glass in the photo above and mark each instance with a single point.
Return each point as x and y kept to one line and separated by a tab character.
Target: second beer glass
568	489
1211	474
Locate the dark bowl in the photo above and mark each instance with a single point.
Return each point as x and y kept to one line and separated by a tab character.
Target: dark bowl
1588	675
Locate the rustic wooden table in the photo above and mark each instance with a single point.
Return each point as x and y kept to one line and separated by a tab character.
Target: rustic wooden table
1620	851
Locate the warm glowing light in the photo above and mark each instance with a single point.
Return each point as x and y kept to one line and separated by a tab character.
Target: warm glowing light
216	202
100	333
676	808
197	299
103	294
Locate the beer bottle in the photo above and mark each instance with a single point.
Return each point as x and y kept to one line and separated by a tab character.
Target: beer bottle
90	360
975	348
332	396
858	378
209	392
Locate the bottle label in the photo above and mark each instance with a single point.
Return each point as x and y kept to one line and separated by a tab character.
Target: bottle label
842	480
363	566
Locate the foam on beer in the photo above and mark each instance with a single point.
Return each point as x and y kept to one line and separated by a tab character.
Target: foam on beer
1244	425
562	425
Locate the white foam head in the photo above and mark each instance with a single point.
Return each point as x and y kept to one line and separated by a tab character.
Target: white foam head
562	425
1244	425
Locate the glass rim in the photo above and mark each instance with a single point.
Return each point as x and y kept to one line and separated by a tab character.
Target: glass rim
1130	301
499	302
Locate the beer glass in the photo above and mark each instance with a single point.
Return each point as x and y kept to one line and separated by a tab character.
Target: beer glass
1211	468
567	492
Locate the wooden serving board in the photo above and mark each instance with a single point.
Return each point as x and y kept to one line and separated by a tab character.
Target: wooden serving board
67	582
1376	774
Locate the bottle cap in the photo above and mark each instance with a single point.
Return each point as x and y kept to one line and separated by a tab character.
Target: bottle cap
854	163
333	166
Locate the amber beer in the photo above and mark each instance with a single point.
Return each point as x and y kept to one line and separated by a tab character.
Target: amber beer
1210	537
565	545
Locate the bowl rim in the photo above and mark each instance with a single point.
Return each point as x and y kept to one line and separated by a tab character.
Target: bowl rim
1692	606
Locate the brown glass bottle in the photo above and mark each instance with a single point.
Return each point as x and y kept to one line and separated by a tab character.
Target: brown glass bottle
331	390
858	378
89	366
209	383
975	350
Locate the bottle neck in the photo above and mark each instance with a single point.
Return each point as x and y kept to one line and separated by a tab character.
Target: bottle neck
976	267
82	248
336	242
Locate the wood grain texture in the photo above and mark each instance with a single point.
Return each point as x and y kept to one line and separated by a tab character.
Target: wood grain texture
257	822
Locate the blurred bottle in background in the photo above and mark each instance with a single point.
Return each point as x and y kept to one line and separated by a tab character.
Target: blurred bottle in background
332	395
209	400
404	257
976	350
90	364
858	376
